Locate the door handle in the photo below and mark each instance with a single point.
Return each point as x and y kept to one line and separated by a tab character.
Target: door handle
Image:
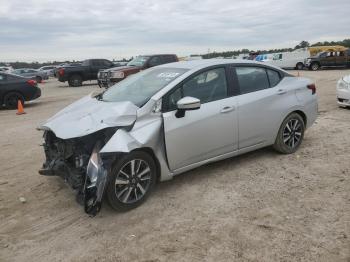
227	109
281	91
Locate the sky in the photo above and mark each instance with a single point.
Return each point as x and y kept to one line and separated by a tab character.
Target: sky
45	30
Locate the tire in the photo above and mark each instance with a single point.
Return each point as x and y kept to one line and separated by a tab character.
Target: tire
11	100
39	79
126	191
315	66
293	127
75	81
299	66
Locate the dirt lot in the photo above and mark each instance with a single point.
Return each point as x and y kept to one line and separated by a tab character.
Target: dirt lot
261	206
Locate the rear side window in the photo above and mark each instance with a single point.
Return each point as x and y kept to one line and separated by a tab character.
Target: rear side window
274	77
106	63
97	63
252	79
154	61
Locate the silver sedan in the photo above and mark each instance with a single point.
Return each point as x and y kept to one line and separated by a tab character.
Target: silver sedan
170	119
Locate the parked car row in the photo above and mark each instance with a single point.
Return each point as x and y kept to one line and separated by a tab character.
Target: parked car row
38	75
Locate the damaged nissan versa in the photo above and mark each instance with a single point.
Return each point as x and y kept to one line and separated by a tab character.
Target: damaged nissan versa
169	119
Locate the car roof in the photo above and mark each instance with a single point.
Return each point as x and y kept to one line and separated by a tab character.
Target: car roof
196	64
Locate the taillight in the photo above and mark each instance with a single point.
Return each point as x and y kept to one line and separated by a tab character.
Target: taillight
61	72
31	82
312	87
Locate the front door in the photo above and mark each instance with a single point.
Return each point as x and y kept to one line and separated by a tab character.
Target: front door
206	132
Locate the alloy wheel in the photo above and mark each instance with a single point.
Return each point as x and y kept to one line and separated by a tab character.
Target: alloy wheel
292	133
132	181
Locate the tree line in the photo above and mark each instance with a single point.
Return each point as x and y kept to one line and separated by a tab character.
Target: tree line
302	44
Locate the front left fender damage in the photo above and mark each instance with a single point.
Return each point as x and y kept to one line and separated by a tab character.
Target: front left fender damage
85	162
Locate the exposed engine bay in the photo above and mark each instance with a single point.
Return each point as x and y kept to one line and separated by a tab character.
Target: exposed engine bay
77	161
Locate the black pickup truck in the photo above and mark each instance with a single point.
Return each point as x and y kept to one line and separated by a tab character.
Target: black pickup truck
75	75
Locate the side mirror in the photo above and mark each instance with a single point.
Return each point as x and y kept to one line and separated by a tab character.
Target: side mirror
187	103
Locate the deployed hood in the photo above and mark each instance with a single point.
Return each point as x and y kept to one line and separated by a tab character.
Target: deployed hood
89	115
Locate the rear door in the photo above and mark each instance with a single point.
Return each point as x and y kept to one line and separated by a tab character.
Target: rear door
261	103
204	133
340	58
95	66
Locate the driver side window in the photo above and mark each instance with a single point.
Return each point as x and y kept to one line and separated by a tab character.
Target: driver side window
208	86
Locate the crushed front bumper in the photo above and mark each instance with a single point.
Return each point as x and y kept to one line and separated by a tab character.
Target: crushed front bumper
85	172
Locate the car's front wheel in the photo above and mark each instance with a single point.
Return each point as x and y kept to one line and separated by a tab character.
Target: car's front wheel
315	66
290	134
131	180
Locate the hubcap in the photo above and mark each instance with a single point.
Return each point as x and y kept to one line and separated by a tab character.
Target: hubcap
132	181
292	133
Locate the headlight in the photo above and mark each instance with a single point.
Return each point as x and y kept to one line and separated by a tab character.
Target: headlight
117	74
342	84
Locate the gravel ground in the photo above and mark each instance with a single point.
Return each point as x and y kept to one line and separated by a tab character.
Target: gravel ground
260	206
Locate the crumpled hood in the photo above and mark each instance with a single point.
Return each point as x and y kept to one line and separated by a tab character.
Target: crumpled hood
89	115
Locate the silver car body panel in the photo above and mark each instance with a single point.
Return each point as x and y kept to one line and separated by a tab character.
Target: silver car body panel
217	130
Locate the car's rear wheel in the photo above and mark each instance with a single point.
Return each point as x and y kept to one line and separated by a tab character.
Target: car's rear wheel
290	134
315	66
299	66
75	80
11	100
131	180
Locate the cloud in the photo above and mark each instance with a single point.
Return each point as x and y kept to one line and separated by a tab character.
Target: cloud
43	30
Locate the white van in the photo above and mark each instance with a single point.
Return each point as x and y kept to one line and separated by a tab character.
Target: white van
290	60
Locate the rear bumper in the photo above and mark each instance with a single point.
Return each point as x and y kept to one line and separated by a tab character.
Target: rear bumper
34	95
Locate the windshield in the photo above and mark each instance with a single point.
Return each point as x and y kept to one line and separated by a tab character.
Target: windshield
140	87
138	61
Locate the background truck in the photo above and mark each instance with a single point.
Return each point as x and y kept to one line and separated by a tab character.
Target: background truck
75	75
109	77
329	59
